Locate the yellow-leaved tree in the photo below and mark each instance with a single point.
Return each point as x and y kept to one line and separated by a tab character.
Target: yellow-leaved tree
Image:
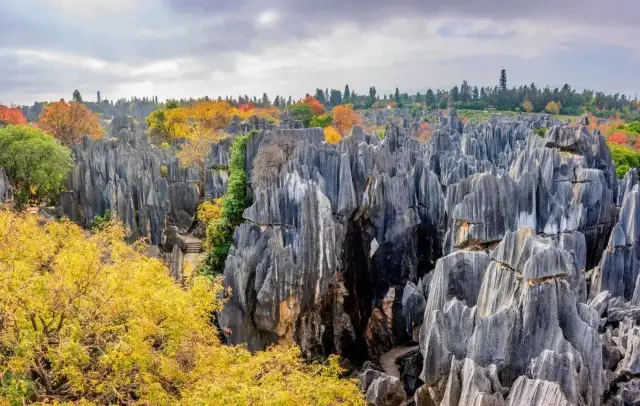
92	320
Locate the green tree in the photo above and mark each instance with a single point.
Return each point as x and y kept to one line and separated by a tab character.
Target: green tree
503	79
35	161
302	112
77	97
220	231
347	94
323	121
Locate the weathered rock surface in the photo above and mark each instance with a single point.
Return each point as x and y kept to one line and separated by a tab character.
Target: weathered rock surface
483	245
143	185
6	191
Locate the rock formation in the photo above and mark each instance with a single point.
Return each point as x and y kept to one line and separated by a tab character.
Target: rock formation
510	257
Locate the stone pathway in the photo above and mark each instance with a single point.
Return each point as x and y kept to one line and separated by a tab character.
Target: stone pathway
388	359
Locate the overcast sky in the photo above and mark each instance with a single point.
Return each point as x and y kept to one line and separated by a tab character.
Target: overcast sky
182	48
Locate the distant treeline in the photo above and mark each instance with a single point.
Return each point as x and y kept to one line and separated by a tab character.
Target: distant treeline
529	98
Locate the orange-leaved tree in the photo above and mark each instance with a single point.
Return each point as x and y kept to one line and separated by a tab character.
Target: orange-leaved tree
11	115
331	135
527	106
70	122
344	118
618	138
553	107
316	107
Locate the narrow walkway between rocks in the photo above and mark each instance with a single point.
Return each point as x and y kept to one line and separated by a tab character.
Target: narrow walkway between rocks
388	359
193	255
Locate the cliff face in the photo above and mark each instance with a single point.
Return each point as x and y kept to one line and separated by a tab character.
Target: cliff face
509	257
142	184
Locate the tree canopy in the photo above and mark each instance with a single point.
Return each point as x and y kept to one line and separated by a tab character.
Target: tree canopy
11	115
91	319
70	122
35	162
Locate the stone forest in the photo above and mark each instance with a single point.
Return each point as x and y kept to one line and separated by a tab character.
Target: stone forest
383	256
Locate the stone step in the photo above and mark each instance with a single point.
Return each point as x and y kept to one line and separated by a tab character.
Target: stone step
193	247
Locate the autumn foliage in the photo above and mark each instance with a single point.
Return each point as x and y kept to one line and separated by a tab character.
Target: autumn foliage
70	122
316	107
331	135
425	131
344	118
90	319
618	138
11	115
553	107
202	118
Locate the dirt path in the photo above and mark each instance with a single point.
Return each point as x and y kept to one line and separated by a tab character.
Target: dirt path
388	359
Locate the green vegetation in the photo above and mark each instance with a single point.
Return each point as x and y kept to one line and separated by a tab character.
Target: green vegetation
322	121
624	158
35	161
542	132
301	112
100	222
220	231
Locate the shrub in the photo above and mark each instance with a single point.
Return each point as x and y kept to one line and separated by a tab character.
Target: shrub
210	211
633	127
100	222
165	145
35	161
93	320
542	132
331	135
624	158
164	171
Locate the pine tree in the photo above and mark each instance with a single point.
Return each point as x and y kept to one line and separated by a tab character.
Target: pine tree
347	94
76	96
503	79
98	97
396	97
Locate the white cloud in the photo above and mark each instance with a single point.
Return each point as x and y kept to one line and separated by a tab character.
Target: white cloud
268	18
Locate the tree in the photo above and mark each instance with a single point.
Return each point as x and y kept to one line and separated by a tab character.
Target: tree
98	97
94	320
320	96
35	162
76	96
265	100
430	98
331	135
336	97
302	112
553	107
347	94
503	79
527	106
194	151
344	118
70	122
396	96
465	92
316	107
372	94
454	94
322	121
11	115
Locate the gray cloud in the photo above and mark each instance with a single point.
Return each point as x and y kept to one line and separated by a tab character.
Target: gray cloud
174	47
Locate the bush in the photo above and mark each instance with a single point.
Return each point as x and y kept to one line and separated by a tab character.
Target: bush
210	211
624	159
542	132
35	161
100	222
331	135
633	127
